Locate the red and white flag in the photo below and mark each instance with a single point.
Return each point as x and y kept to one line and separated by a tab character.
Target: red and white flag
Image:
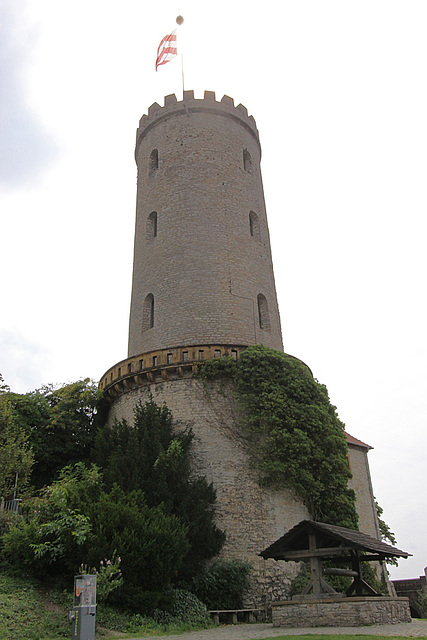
167	49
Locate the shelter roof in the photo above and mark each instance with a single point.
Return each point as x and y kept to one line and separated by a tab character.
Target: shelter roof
331	541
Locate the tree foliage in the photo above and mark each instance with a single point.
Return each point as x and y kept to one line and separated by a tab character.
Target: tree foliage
153	456
295	435
50	538
74	521
223	584
16	455
150	542
60	424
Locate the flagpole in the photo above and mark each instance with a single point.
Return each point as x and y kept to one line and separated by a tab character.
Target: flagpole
179	21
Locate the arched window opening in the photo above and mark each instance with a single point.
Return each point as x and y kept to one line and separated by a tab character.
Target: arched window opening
263	315
247	161
154	160
254	225
152	225
148	312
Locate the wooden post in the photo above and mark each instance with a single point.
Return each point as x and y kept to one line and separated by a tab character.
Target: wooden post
316	566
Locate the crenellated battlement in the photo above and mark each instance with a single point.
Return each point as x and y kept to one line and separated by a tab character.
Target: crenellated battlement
208	104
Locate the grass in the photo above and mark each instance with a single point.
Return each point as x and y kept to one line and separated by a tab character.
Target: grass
26	613
30	612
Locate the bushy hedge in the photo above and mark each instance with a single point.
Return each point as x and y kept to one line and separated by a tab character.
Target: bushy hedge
223	584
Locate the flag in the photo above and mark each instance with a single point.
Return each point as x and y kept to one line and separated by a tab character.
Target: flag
167	49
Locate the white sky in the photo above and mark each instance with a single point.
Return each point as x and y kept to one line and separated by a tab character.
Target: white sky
338	90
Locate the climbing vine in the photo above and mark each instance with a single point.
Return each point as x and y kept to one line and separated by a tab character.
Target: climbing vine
294	435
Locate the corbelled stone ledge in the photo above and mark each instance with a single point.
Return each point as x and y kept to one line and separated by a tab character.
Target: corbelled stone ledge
160	365
341	612
164	364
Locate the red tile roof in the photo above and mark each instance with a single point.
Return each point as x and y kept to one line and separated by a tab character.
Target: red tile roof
356	442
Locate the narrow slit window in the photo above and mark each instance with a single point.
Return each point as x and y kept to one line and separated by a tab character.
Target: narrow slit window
154	361
148	312
152	225
130	367
169	358
263	315
185	356
254	225
154	160
247	161
141	364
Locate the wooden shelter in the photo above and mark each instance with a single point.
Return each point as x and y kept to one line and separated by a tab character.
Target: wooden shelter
316	542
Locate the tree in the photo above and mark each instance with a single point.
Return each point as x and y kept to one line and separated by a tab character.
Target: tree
74	521
295	436
15	451
151	543
60	423
154	456
50	537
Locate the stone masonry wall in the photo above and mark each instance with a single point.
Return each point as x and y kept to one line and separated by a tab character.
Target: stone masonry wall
252	517
207	259
343	612
361	484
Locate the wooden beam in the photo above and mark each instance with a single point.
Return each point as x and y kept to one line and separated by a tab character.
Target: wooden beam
305	554
326	586
339	572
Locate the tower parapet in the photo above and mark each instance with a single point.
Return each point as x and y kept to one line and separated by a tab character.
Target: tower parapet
190	104
203	271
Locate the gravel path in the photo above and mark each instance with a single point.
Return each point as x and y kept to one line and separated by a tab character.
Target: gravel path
414	629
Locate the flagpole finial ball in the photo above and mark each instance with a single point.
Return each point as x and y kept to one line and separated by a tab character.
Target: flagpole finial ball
179	20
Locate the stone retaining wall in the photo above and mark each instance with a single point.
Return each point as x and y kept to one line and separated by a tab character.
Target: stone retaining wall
345	612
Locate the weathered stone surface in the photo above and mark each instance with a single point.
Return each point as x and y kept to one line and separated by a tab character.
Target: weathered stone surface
345	612
203	280
207	263
252	516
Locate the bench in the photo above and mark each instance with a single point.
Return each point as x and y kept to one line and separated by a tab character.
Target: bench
234	616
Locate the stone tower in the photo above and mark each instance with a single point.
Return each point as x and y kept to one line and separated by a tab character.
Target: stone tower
203	287
202	273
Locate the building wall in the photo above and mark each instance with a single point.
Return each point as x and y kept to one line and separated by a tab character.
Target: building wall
203	276
253	517
209	258
361	484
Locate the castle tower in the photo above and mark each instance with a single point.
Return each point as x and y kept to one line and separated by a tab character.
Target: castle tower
203	287
203	272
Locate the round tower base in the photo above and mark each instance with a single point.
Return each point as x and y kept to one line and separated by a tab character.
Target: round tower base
252	516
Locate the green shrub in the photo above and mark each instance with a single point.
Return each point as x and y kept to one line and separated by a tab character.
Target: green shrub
150	542
153	455
187	609
422	601
223	584
49	539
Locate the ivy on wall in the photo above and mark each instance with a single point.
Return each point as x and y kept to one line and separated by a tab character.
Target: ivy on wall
294	435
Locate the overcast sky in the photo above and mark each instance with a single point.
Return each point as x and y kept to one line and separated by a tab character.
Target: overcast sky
338	90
